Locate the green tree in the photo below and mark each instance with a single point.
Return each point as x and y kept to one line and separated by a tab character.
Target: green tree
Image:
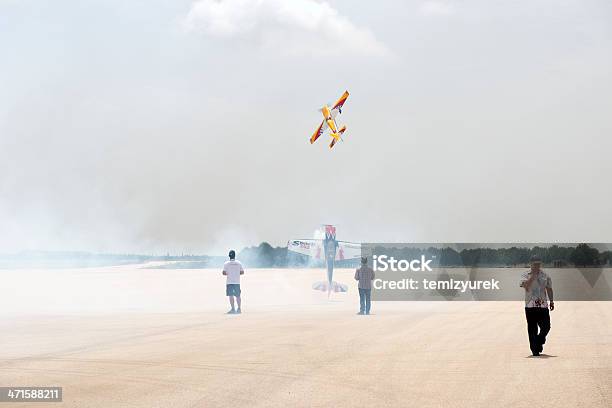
584	255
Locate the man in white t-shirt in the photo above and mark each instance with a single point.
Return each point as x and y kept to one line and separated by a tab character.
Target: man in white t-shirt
233	269
538	294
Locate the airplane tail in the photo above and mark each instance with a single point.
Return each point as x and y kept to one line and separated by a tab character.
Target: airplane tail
337	136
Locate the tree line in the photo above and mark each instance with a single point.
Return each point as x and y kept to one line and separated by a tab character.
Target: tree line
266	256
582	255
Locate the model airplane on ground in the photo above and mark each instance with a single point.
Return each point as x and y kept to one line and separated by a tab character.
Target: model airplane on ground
329	121
329	249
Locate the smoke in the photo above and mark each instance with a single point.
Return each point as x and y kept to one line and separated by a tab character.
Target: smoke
319	233
147	138
232	237
298	27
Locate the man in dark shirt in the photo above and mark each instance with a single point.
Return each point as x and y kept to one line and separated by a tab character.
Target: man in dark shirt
365	276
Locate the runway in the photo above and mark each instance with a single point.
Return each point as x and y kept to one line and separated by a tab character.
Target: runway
133	337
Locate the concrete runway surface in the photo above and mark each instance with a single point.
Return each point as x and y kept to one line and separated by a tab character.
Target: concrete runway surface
133	337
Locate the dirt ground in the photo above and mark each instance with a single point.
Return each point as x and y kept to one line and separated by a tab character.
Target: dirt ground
132	337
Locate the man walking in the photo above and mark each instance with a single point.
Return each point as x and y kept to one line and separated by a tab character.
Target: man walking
365	276
233	269
538	292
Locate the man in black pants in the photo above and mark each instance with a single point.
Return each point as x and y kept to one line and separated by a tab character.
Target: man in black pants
365	276
538	291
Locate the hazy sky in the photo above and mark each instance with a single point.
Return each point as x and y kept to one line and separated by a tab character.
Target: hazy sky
183	125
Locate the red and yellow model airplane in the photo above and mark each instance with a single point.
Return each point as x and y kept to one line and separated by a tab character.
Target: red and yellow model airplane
329	121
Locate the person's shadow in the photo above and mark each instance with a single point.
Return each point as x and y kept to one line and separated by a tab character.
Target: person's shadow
541	356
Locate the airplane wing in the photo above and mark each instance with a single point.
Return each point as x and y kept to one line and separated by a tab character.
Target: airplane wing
318	132
309	247
340	102
348	250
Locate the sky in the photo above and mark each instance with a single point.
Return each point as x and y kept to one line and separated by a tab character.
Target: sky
182	126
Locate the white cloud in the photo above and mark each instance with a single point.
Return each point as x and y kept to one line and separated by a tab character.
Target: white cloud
436	8
296	27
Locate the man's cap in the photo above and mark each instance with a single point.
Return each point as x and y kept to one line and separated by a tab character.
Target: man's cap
364	260
232	254
535	259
